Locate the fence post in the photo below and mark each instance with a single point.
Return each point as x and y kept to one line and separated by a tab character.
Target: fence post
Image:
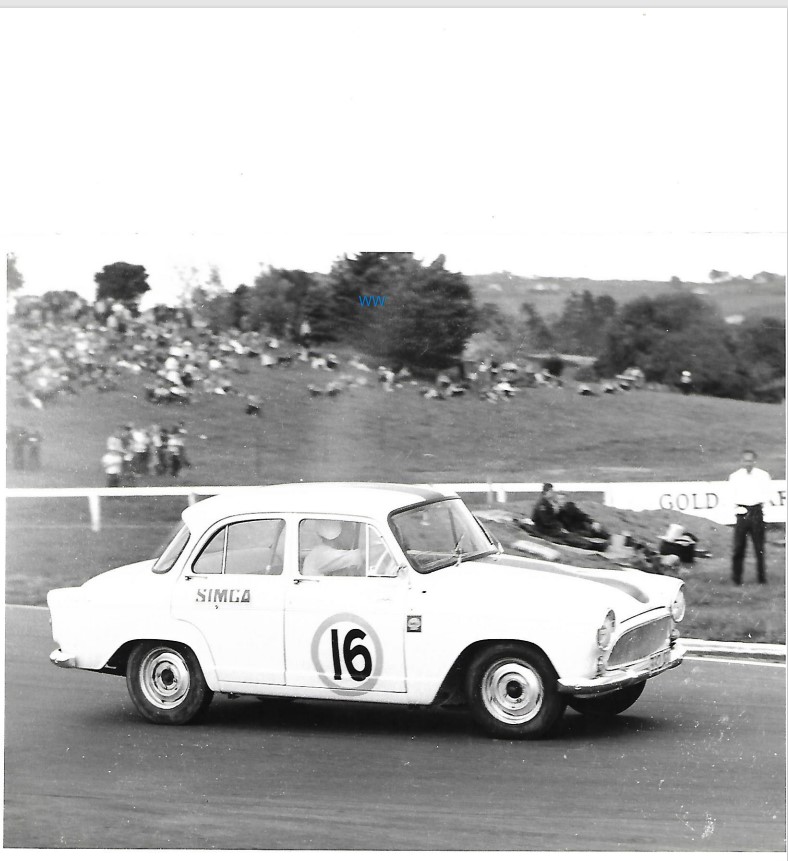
500	494
94	503
192	497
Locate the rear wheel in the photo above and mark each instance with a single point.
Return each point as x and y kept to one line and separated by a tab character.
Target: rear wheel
166	683
512	692
610	704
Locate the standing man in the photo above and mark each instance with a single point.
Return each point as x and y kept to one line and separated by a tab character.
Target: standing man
750	489
112	463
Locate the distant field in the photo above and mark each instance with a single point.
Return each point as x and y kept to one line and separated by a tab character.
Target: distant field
369	434
733	297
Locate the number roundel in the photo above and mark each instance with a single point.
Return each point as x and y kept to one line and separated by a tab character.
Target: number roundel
347	654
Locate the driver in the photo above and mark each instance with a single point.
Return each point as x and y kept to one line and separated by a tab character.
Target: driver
327	558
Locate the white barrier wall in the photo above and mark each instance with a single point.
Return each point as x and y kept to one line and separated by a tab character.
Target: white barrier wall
710	499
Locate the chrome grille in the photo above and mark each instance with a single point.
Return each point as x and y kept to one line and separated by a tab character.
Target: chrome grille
641	642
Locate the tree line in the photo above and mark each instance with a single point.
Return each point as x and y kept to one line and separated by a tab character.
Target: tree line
430	321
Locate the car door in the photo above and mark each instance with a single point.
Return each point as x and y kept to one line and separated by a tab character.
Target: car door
232	589
345	626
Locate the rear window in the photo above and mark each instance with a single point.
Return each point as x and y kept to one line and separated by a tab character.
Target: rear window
172	551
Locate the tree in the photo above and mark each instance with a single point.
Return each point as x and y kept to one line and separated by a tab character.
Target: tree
62	303
760	348
431	317
537	330
122	282
665	335
319	312
583	323
14	279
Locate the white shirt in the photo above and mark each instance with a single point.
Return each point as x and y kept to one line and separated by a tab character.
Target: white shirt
326	560
112	463
750	488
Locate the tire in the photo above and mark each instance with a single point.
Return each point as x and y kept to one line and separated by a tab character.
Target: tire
512	693
610	704
166	683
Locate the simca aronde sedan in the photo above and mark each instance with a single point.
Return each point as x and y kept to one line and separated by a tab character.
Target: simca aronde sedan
367	592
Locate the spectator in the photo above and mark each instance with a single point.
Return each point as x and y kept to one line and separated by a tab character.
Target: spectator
548	525
140	445
113	464
158	441
685	383
17	439
544	512
33	442
576	520
750	489
176	452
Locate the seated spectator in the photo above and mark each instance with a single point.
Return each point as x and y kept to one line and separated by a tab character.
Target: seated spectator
544	512
576	520
547	524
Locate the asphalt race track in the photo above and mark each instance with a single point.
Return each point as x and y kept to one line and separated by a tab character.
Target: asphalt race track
697	764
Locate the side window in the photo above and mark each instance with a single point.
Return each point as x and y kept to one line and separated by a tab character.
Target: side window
212	556
342	548
248	547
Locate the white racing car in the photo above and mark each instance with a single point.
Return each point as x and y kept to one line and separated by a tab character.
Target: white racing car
367	592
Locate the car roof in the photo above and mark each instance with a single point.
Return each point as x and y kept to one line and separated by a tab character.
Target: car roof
343	499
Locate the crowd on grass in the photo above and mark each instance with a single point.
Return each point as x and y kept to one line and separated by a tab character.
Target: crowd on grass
61	353
136	451
54	355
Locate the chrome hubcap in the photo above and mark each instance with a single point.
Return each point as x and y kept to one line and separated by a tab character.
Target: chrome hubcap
164	678
513	692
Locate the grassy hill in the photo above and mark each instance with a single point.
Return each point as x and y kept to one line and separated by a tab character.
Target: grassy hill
547	294
366	433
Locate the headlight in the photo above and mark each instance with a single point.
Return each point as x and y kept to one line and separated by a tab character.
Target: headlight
678	606
605	633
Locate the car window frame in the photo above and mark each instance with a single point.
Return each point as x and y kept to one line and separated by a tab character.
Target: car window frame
225	525
359	522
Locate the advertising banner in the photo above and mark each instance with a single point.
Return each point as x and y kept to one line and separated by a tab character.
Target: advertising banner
710	499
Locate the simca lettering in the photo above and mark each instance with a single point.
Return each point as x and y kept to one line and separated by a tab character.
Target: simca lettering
223	596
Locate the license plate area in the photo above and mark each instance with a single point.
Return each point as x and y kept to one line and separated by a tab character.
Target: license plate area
658	661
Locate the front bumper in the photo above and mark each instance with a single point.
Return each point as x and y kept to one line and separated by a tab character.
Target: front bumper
62	659
614	680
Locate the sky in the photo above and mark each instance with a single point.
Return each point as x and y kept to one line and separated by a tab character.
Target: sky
607	143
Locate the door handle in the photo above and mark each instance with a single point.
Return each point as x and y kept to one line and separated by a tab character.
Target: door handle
195	577
298	580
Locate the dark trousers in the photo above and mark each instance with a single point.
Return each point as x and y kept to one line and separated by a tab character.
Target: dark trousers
750	524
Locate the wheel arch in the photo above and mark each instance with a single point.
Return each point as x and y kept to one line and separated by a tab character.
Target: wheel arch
118	662
452	687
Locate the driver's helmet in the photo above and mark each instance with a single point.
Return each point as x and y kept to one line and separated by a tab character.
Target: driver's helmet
328	529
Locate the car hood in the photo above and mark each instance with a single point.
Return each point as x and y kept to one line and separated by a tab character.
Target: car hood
628	592
136	579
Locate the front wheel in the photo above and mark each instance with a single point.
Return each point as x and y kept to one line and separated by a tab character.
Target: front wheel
610	704
512	692
166	683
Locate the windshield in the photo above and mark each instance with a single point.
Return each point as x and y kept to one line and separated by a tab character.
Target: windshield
439	534
172	550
